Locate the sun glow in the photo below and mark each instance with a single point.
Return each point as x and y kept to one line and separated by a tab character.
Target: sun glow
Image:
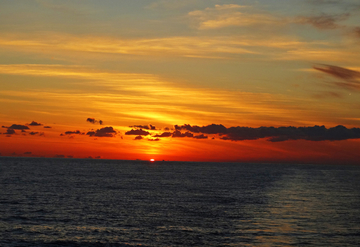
152	160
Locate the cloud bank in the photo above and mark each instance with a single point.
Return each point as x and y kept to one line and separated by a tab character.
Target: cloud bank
273	134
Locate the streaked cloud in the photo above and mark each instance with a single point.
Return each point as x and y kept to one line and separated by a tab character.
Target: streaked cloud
349	79
324	21
231	15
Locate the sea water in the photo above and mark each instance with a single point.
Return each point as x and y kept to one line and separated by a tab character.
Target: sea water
83	202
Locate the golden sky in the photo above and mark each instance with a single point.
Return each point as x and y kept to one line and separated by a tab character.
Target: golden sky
202	80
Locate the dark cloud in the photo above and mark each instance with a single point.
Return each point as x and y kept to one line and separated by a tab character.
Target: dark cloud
9	132
94	121
202	136
274	134
154	140
103	132
164	134
349	79
76	132
139	138
47	127
339	72
323	21
33	123
37	133
209	129
17	127
147	127
177	133
137	132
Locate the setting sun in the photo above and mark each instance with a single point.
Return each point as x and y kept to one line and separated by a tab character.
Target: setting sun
152	160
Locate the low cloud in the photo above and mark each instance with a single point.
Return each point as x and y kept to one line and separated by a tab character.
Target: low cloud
28	153
17	127
147	127
202	136
76	132
164	134
273	134
103	132
138	138
177	133
37	133
33	123
139	132
154	140
47	127
94	121
349	79
9	132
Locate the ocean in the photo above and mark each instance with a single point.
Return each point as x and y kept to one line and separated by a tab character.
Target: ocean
84	202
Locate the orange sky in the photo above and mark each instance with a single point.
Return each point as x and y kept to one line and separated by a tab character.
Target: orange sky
152	65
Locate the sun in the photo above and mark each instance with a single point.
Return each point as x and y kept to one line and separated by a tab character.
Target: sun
152	160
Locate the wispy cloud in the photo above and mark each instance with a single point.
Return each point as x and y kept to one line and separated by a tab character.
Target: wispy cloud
146	97
348	79
324	21
231	15
207	47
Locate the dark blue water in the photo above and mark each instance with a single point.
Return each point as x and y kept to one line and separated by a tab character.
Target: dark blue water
70	202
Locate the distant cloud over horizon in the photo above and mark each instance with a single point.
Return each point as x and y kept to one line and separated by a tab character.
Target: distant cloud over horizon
138	132
103	132
33	123
273	134
94	121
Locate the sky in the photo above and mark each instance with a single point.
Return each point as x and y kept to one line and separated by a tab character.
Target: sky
192	80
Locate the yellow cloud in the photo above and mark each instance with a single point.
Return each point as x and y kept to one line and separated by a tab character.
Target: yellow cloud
148	98
229	15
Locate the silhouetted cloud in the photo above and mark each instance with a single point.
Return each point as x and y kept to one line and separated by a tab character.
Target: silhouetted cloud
164	134
76	132
202	136
350	79
103	132
33	123
154	140
138	138
274	134
9	132
94	121
177	133
47	127
209	129
147	127
37	133
137	132
17	127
